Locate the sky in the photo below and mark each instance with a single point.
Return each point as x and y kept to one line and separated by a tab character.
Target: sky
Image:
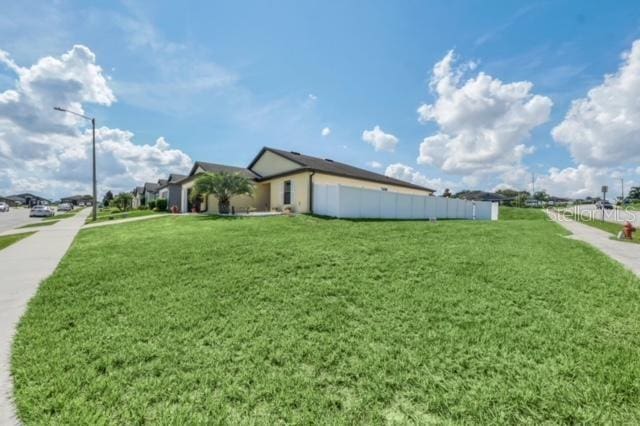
446	94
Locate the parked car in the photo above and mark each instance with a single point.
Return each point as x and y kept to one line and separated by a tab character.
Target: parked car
606	204
65	207
4	207
41	211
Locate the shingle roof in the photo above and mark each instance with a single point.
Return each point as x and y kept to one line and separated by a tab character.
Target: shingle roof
332	167
217	168
151	187
174	177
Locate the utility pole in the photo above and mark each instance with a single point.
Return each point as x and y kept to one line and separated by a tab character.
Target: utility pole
533	187
622	191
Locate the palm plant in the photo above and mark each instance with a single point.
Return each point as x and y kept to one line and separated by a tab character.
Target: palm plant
223	186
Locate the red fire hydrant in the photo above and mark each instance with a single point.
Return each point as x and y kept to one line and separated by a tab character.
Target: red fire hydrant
628	230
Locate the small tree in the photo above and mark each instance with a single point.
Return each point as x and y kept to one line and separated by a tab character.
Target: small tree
122	201
107	198
223	186
446	193
634	193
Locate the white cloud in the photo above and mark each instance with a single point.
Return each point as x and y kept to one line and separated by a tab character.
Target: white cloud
409	174
483	122
603	129
374	164
326	131
47	151
380	140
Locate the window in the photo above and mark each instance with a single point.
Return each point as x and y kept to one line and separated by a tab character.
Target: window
287	192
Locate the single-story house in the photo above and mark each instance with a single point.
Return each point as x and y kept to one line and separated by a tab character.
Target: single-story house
171	190
78	200
485	196
150	192
284	180
28	199
138	197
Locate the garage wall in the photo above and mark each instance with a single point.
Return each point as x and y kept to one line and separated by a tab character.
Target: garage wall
349	202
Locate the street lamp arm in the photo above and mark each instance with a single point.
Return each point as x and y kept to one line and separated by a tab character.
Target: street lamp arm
74	113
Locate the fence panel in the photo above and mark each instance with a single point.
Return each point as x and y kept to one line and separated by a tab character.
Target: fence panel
350	202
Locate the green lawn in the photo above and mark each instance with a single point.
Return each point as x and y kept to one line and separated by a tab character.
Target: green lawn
41	223
7	240
199	320
521	213
109	215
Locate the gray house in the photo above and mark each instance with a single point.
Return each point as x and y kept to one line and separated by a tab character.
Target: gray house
171	190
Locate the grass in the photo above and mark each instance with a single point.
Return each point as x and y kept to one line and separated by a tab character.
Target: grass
520	213
610	227
109	215
39	224
191	320
7	240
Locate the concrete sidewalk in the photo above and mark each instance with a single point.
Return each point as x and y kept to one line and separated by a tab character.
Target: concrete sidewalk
23	266
627	253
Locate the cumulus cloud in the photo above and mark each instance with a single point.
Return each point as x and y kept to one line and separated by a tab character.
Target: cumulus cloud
409	174
603	129
483	122
380	140
374	164
326	131
46	151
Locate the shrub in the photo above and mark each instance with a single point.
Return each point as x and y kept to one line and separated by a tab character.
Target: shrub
161	205
143	208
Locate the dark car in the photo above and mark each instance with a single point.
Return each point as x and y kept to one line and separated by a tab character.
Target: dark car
604	204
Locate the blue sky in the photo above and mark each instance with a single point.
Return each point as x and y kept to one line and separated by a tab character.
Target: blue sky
219	80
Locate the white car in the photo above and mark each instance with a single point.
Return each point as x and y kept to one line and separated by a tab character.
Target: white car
4	207
65	207
41	211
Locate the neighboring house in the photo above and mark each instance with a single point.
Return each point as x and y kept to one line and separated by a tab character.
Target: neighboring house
150	192
210	205
10	201
171	190
485	196
138	197
284	180
28	199
78	200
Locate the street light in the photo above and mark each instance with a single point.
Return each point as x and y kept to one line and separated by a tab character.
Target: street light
93	125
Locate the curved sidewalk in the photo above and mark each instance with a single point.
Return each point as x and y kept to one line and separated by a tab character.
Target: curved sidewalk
23	266
626	253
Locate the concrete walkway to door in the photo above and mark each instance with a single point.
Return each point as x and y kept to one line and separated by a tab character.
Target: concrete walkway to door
23	266
626	253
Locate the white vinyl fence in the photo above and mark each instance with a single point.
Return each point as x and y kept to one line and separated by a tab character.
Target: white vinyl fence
350	202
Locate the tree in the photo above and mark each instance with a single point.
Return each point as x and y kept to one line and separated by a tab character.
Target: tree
541	195
107	198
446	193
223	186
634	193
509	193
122	201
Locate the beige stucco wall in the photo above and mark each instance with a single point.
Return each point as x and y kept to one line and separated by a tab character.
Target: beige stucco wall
338	180
299	196
271	164
240	203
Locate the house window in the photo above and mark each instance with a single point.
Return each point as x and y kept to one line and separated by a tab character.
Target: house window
287	192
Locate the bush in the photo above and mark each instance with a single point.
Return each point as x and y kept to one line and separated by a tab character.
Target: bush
143	208
151	205
161	205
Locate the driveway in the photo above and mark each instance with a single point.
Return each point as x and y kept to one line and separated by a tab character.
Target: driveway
16	217
23	266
